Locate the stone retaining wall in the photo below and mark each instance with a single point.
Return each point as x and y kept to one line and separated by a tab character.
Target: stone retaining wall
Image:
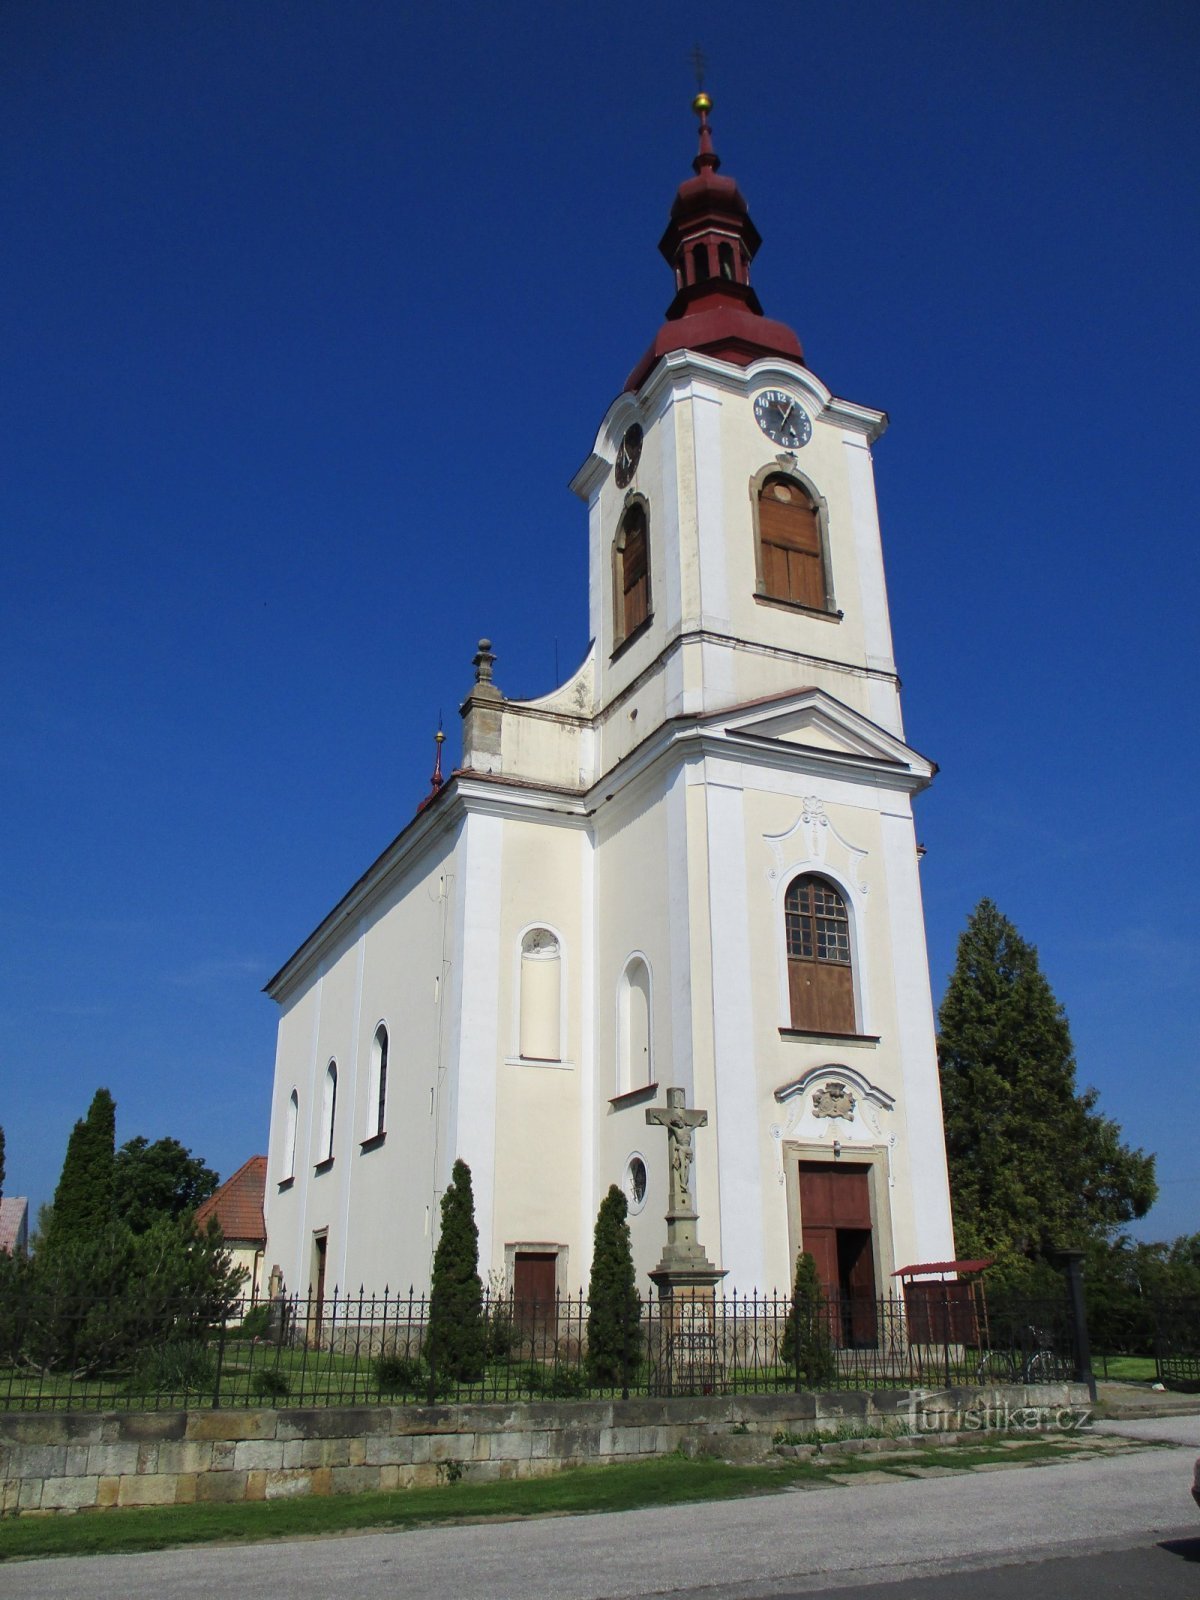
73	1461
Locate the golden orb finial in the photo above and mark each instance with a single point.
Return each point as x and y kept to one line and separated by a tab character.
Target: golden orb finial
702	103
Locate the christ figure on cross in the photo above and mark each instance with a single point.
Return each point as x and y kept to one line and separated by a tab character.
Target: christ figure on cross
679	1123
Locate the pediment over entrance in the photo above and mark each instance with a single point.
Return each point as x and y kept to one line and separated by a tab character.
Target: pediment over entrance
812	721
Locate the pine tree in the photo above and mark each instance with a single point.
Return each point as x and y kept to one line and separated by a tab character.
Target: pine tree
1033	1165
614	1332
807	1345
83	1201
455	1336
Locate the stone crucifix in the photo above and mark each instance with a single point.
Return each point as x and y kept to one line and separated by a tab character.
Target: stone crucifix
679	1124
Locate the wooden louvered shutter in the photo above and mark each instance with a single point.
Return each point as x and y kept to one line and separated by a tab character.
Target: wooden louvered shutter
635	574
793	567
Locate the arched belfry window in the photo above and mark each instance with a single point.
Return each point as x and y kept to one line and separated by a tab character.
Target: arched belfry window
700	267
328	1114
634	1067
541	997
377	1085
631	576
725	260
820	974
789	532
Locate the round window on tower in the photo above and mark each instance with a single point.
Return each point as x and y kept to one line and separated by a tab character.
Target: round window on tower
636	1182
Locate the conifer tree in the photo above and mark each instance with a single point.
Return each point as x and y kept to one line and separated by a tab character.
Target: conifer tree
1033	1165
83	1200
807	1345
455	1335
614	1306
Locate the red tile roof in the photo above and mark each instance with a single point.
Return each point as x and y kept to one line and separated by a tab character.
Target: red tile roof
238	1204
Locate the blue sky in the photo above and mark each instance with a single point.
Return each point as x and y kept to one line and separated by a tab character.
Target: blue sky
310	310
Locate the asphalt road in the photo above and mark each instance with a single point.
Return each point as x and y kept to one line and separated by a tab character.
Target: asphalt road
1107	1527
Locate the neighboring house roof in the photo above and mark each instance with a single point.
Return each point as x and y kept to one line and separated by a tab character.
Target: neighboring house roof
14	1224
238	1204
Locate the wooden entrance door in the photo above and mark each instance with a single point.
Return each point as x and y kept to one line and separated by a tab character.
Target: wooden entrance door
835	1221
535	1279
320	1244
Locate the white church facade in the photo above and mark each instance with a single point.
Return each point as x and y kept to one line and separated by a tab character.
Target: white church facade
693	865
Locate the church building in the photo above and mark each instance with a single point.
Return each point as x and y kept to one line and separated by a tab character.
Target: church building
692	866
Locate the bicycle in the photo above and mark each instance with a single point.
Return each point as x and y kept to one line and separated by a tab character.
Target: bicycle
1036	1362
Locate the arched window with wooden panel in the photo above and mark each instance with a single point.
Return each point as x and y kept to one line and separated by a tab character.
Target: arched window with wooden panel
540	1021
634	1067
377	1084
631	573
820	970
291	1120
328	1114
792	563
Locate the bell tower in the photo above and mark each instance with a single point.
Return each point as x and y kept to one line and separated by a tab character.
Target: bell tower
734	538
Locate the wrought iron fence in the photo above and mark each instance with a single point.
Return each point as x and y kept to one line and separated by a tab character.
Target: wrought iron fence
1177	1344
300	1350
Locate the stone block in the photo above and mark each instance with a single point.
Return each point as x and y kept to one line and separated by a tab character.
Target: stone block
420	1449
288	1485
68	1494
236	1425
30	1497
148	1489
221	1486
40	1428
354	1480
112	1460
185	1455
389	1478
77	1455
540	1445
327	1422
39	1461
10	1493
451	1446
256	1484
154	1425
185	1488
258	1455
385	1452
322	1480
147	1456
325	1453
356	1452
222	1454
107	1490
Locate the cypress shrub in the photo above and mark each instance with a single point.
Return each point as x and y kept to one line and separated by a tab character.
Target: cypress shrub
83	1201
455	1336
614	1334
807	1347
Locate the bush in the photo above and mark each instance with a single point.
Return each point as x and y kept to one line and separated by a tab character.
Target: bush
256	1324
614	1335
807	1346
174	1368
454	1339
397	1374
269	1383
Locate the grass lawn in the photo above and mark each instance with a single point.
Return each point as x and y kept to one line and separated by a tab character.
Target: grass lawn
670	1480
1127	1369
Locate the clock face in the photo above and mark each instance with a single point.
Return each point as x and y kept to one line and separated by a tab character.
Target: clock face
782	418
628	455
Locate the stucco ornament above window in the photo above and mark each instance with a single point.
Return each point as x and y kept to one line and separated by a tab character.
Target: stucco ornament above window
834	1100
